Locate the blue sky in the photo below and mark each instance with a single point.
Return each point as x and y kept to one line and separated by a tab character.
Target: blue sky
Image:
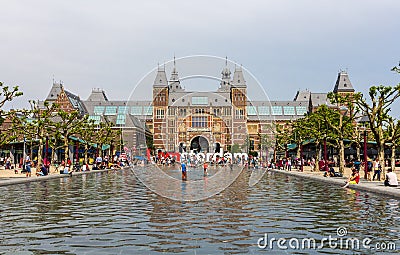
287	45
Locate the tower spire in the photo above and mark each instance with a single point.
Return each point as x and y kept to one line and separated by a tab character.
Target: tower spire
174	83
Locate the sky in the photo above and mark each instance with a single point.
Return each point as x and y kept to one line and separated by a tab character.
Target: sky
287	45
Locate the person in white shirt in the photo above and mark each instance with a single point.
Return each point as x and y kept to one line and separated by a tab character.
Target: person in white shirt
391	179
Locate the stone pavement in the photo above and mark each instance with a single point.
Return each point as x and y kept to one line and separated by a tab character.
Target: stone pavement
10	173
364	185
8	177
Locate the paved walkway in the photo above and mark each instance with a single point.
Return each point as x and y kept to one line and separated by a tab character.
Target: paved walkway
9	177
364	185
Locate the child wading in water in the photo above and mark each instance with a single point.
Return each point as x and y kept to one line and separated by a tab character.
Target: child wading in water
183	168
205	167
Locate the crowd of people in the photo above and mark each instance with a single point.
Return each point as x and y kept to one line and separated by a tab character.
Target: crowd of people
67	167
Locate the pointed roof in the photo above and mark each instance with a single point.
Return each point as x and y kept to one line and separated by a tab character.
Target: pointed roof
161	78
302	96
226	77
318	99
226	73
238	78
76	102
174	82
97	95
54	91
343	83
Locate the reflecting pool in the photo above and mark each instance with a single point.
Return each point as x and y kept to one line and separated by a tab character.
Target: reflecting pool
113	213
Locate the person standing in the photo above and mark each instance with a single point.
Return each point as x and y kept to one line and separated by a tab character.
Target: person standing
391	179
184	171
289	164
205	168
28	164
377	170
8	163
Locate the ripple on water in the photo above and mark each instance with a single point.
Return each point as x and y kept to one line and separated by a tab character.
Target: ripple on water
112	213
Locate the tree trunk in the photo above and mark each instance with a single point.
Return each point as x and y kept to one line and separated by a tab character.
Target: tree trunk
317	152
381	157
341	156
39	156
66	150
358	148
393	157
86	153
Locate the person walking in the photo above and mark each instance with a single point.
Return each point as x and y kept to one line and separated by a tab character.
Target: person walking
184	171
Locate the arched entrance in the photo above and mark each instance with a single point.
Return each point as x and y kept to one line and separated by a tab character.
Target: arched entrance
199	144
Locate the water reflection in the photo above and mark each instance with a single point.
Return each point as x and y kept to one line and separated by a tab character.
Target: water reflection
112	213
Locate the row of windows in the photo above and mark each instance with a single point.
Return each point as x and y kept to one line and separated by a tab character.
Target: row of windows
113	110
217	111
199	121
199	100
251	110
276	110
160	113
239	114
121	119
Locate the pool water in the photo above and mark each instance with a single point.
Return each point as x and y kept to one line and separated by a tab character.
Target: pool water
114	213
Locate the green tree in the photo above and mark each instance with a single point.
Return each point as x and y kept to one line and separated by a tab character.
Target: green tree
87	134
266	138
34	125
105	134
7	94
66	124
377	111
392	133
313	127
283	138
7	134
340	121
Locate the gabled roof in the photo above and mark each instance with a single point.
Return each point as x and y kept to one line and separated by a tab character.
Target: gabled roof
238	78
54	92
76	102
161	78
317	99
174	82
97	95
343	83
302	96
